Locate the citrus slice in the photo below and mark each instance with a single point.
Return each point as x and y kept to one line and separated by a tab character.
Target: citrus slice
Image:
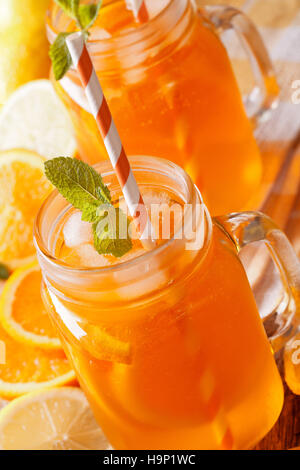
26	368
58	419
98	341
22	312
3	403
23	187
104	346
23	44
35	119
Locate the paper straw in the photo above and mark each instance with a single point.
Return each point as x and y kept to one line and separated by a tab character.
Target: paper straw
139	10
99	108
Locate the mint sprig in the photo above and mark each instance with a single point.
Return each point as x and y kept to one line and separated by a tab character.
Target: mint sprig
70	7
83	187
60	56
85	16
111	232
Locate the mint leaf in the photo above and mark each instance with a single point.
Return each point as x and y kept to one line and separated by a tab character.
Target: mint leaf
4	271
70	7
87	14
75	7
83	187
60	56
111	233
104	194
79	183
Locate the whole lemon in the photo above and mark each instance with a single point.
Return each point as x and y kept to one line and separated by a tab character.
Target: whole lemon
23	44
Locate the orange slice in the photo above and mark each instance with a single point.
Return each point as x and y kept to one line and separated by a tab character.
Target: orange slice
22	312
98	341
55	419
23	187
25	368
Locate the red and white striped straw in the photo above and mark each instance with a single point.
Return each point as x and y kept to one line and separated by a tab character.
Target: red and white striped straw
139	10
99	108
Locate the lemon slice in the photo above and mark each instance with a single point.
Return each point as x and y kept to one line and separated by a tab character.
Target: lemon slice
54	419
24	368
3	403
34	118
23	44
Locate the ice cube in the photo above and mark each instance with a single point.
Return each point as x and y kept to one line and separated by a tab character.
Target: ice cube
157	204
97	34
90	258
155	7
77	232
152	197
150	283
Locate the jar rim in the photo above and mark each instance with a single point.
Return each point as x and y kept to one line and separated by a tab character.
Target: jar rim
137	163
132	36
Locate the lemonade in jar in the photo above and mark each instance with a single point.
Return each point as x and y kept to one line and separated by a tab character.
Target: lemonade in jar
172	92
166	343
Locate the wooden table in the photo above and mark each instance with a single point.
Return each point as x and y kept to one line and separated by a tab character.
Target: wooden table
286	432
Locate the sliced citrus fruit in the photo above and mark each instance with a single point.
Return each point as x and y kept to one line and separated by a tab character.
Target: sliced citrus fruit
23	44
35	119
3	403
23	187
104	346
27	368
22	312
98	341
58	419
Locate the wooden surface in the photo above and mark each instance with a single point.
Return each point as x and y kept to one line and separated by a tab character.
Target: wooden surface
286	432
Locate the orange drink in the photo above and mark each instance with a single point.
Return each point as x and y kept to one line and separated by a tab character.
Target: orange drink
167	344
172	93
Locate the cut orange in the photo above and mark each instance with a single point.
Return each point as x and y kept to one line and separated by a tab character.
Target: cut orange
98	341
55	419
23	187
26	368
22	312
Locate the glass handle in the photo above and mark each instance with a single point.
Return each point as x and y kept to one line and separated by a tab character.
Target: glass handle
264	95
248	227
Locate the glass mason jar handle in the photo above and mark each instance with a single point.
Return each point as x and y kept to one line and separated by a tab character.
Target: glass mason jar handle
264	96
249	227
